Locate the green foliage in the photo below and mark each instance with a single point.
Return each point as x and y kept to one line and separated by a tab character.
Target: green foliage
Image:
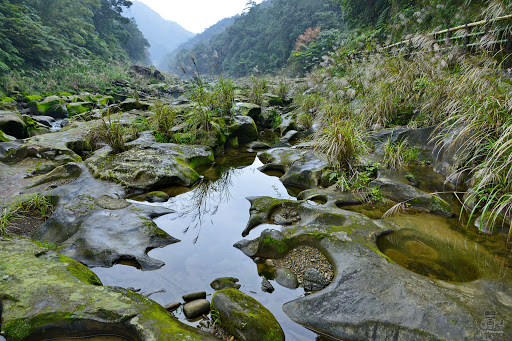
341	141
261	40
34	34
38	203
399	154
281	89
49	246
109	130
258	86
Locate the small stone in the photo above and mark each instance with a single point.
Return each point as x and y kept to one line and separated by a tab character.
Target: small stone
196	308
194	296
270	262
172	306
286	278
157	196
204	324
224	283
266	286
314	280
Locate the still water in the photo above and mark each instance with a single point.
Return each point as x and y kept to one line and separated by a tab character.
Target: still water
208	220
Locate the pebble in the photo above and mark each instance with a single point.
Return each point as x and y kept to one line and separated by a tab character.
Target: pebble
266	286
286	278
196	308
172	306
194	296
302	258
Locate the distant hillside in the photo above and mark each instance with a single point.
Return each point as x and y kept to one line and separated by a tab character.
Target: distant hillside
163	35
201	38
263	39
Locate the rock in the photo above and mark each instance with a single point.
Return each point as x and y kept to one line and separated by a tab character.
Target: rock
12	124
194	296
51	106
41	288
243	128
248	109
225	283
158	75
400	304
172	306
287	123
266	286
132	103
248	247
67	171
147	164
44	120
399	190
302	168
78	108
196	308
290	136
257	145
272	100
140	70
286	278
94	227
492	223
157	196
314	281
245	318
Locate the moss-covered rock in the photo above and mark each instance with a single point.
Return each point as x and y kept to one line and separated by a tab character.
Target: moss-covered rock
245	318
79	108
243	128
12	124
51	106
44	293
157	196
147	164
225	283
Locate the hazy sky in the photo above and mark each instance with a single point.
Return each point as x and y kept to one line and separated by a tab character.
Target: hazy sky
196	15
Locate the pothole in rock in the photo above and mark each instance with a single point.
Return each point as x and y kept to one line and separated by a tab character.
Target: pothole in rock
285	215
317	200
427	256
312	268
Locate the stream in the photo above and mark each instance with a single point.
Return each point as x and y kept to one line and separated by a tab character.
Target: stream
209	219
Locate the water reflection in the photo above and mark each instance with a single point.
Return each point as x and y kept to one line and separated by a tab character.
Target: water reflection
209	219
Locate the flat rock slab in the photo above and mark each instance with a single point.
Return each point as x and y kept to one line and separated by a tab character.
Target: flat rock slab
94	225
44	293
147	165
302	168
374	298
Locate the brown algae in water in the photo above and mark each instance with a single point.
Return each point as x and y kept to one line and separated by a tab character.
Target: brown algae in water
426	256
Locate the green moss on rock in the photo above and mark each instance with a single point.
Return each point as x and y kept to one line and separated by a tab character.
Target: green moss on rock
246	318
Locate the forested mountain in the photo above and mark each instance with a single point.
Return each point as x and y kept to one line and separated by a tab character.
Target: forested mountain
163	35
37	33
201	38
263	39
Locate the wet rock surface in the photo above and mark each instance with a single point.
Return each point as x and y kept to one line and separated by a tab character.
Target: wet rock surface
225	283
75	303
373	298
286	278
94	226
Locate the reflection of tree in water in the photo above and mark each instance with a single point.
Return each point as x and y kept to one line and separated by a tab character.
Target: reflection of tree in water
204	200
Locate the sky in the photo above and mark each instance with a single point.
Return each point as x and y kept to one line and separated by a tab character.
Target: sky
196	15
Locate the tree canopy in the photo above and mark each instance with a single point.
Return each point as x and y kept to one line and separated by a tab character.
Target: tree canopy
34	33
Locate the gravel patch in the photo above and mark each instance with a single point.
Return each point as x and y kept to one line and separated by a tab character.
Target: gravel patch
305	257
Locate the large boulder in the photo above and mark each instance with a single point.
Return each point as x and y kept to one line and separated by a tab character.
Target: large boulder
148	165
302	168
243	128
245	318
93	225
53	106
372	297
45	294
11	123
